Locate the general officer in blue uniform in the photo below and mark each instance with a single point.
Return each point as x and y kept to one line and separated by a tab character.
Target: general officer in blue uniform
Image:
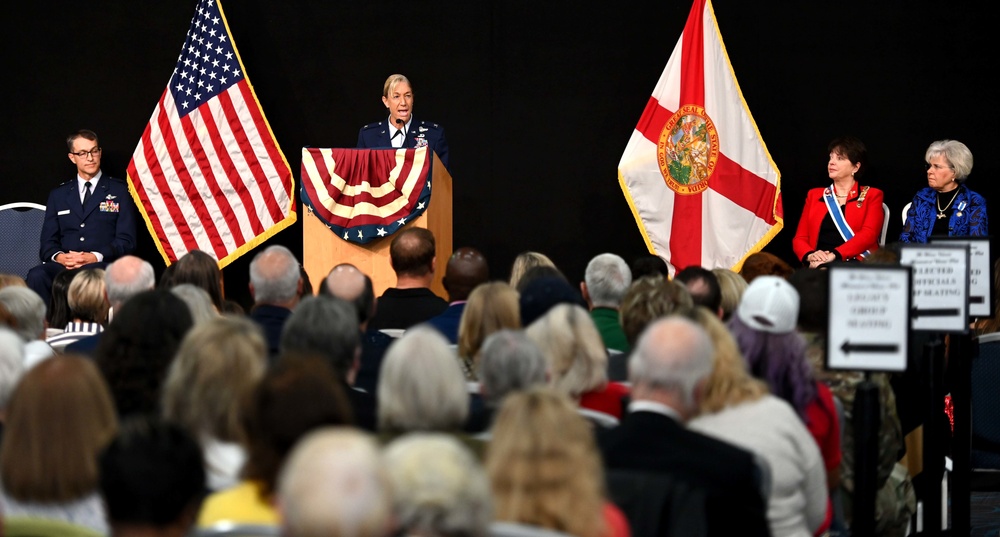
400	129
89	220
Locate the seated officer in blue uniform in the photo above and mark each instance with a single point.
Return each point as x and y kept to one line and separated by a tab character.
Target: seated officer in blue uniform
400	129
89	220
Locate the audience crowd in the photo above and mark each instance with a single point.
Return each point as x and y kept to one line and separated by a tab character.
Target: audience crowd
628	403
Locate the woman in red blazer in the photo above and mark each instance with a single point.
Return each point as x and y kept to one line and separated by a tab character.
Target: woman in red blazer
843	221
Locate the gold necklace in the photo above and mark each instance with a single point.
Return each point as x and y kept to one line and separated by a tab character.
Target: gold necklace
941	211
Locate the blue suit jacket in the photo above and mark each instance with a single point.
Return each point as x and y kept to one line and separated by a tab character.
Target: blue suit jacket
971	221
106	224
421	133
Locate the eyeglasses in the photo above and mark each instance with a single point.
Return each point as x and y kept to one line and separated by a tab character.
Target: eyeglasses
937	167
95	152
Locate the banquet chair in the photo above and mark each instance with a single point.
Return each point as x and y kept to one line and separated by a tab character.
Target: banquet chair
20	229
985	457
885	224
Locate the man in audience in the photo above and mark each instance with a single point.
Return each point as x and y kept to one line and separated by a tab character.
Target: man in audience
89	220
541	294
466	269
411	301
348	283
668	369
649	265
646	300
152	479
28	311
605	282
335	483
123	279
703	286
328	327
275	285
509	361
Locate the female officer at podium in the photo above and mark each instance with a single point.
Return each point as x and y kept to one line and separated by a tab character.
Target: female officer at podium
400	129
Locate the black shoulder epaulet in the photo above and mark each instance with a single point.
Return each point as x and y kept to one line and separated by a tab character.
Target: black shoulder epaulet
429	124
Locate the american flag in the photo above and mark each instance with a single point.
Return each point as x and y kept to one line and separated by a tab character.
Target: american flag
208	174
366	194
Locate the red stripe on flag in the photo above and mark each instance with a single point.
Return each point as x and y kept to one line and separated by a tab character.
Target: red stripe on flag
187	183
270	144
744	188
154	220
159	178
685	239
229	167
211	184
240	133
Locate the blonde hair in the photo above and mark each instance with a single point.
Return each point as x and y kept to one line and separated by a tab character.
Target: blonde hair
731	286
573	348
85	296
729	383
543	465
216	367
393	81
525	261
59	418
491	307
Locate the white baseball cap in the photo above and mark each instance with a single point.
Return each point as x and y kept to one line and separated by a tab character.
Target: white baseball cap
770	304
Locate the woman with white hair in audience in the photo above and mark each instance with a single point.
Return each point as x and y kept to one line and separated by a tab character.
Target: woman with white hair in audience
578	360
422	388
491	306
216	368
545	469
740	409
508	362
88	307
439	488
197	300
764	328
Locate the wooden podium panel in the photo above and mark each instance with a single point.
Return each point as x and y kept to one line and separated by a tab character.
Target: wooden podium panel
322	249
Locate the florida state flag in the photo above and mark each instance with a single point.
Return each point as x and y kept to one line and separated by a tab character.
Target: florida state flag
701	184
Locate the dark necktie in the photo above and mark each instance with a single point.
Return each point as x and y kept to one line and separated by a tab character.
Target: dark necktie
86	193
398	133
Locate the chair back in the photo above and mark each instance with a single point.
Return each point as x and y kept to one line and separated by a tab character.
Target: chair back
513	529
906	209
232	529
986	404
885	224
657	504
20	237
601	419
25	526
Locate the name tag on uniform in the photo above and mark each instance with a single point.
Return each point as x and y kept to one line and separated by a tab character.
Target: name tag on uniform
60	213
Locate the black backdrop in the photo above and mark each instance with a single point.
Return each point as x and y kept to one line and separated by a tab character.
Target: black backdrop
538	99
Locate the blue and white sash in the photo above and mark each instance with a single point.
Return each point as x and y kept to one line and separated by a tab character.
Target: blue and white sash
838	216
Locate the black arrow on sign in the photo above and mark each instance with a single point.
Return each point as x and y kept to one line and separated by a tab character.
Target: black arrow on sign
934	312
849	347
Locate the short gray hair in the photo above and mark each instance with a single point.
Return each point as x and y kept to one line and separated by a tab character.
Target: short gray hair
509	361
274	275
198	301
956	153
421	386
27	308
607	277
11	363
334	483
126	277
324	326
439	487
673	353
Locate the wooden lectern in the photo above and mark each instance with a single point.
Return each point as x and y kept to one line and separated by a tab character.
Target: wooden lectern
322	249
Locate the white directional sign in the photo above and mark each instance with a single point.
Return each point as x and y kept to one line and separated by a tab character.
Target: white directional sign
869	317
940	286
980	281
